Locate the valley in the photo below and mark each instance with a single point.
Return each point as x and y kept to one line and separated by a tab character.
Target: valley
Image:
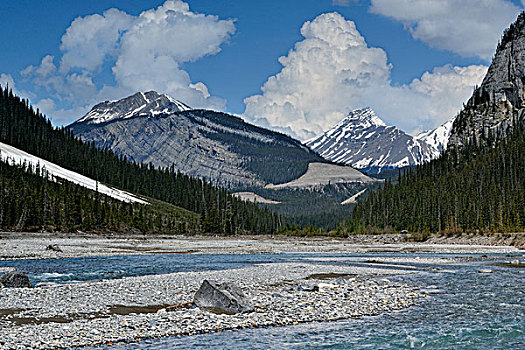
206	175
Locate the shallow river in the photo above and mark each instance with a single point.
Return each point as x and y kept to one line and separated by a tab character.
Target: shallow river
466	309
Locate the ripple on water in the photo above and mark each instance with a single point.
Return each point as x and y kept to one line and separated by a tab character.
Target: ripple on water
474	312
471	311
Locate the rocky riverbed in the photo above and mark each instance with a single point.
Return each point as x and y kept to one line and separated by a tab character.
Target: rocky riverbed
135	308
33	245
283	293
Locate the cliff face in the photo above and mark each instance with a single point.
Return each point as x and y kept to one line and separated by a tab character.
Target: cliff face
500	100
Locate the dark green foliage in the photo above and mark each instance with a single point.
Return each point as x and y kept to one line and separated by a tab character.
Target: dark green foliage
475	188
319	207
515	28
221	213
389	174
30	200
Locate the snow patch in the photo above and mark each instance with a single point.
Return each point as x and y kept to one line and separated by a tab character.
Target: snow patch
353	199
437	138
14	156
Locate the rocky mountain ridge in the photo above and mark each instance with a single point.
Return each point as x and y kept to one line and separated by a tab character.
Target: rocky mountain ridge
141	103
499	102
153	128
437	138
364	141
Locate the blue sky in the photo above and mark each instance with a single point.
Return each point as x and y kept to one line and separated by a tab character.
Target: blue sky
403	40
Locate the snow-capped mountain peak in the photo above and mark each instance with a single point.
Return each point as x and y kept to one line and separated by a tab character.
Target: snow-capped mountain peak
141	103
356	125
437	138
363	118
364	141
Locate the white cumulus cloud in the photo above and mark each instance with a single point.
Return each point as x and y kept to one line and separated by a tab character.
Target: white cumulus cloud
333	71
153	49
430	100
322	77
143	52
89	40
466	27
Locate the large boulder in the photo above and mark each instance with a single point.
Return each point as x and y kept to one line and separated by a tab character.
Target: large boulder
222	298
15	280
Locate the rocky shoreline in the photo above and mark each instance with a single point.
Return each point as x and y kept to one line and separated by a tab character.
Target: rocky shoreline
134	308
34	245
131	309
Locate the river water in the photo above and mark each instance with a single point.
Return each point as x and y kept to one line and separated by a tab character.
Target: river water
466	309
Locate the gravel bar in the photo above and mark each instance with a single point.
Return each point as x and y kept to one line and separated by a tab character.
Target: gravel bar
26	245
135	308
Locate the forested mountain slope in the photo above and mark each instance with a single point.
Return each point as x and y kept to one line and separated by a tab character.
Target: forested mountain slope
220	212
32	200
14	156
479	181
479	188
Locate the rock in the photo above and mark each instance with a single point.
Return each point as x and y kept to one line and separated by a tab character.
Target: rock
222	297
54	247
485	271
307	288
15	280
45	284
497	105
327	286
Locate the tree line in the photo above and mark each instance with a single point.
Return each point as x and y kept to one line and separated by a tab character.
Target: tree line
480	187
33	200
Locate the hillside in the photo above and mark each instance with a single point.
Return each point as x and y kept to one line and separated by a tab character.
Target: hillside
14	156
153	128
220	212
322	174
32	199
479	188
478	183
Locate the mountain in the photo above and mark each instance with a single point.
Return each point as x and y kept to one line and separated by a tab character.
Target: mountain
499	103
364	141
473	189
478	183
153	128
149	103
213	209
437	138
